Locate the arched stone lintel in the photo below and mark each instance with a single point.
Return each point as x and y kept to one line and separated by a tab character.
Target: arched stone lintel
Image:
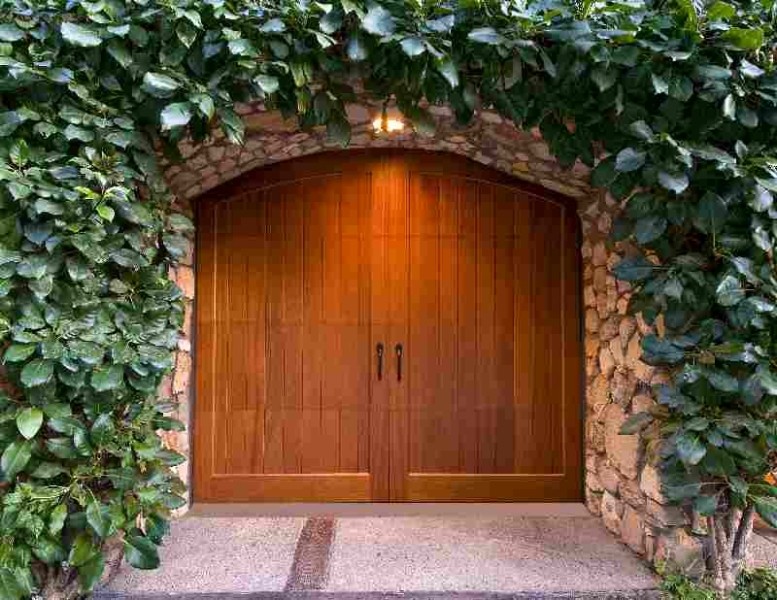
489	139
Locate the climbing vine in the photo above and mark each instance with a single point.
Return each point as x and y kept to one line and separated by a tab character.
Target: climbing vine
674	104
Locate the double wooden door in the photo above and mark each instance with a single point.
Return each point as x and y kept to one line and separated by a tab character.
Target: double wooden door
386	326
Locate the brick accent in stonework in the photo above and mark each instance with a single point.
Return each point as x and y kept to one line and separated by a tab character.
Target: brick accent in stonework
620	485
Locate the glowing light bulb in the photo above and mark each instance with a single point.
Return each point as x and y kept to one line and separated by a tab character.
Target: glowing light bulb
387	125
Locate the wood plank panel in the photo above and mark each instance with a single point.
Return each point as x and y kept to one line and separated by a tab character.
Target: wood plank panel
487	310
291	272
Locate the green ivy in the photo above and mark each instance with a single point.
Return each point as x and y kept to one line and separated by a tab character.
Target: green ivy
673	103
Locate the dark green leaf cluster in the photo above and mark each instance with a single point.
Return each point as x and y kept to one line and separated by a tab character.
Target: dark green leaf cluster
675	108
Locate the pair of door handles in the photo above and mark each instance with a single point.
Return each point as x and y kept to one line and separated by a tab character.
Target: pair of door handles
380	350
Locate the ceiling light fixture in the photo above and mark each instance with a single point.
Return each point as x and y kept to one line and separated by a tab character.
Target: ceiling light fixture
386	124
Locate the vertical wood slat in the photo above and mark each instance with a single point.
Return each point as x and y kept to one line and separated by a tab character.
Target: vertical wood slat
486	325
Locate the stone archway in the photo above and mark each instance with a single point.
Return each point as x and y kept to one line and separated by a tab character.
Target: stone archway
619	486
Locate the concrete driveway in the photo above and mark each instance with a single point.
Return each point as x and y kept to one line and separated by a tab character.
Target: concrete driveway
504	553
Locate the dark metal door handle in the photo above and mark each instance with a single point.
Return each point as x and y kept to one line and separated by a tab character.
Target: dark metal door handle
398	350
379	353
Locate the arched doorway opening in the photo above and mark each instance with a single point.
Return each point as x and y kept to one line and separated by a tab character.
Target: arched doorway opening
387	325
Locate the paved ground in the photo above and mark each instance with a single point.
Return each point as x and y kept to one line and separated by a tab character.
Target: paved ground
763	548
456	557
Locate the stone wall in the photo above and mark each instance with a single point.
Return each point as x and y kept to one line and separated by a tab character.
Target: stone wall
620	485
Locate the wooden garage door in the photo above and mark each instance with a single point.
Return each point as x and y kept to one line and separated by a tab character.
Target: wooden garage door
377	326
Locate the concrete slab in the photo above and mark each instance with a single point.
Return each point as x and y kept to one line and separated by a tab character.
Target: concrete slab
408	558
223	555
763	551
516	555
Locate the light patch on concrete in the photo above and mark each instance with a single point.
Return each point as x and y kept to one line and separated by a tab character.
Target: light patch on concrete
218	555
482	554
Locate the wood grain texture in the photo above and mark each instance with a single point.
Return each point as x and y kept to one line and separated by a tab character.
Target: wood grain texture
306	266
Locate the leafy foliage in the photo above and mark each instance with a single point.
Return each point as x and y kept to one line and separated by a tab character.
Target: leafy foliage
758	584
674	107
676	586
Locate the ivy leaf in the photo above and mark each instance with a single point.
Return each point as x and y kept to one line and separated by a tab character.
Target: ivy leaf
690	450
273	26
660	351
10	589
339	131
721	380
57	519
19	352
82	550
485	35
674	182
99	519
15	458
48	551
102	429
717	462
140	552
267	83
660	84
108	378
413	46
705	505
750	70
176	245
9	122
355	49
159	85
745	39
156	528
106	212
448	70
78	35
29	422
47	470
729	291
118	51
650	228
642	130
604	78
711	214
37	372
634	269
629	160
10	33
177	114
730	107
378	21
179	222
89	573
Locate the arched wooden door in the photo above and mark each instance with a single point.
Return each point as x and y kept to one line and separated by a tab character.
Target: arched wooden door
387	326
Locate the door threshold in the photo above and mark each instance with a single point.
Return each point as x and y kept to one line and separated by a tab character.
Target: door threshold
385	509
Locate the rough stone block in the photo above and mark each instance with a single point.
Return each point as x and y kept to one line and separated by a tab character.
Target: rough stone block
631	494
633	530
592	482
612	509
650	484
667	516
623	450
609	478
183	369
